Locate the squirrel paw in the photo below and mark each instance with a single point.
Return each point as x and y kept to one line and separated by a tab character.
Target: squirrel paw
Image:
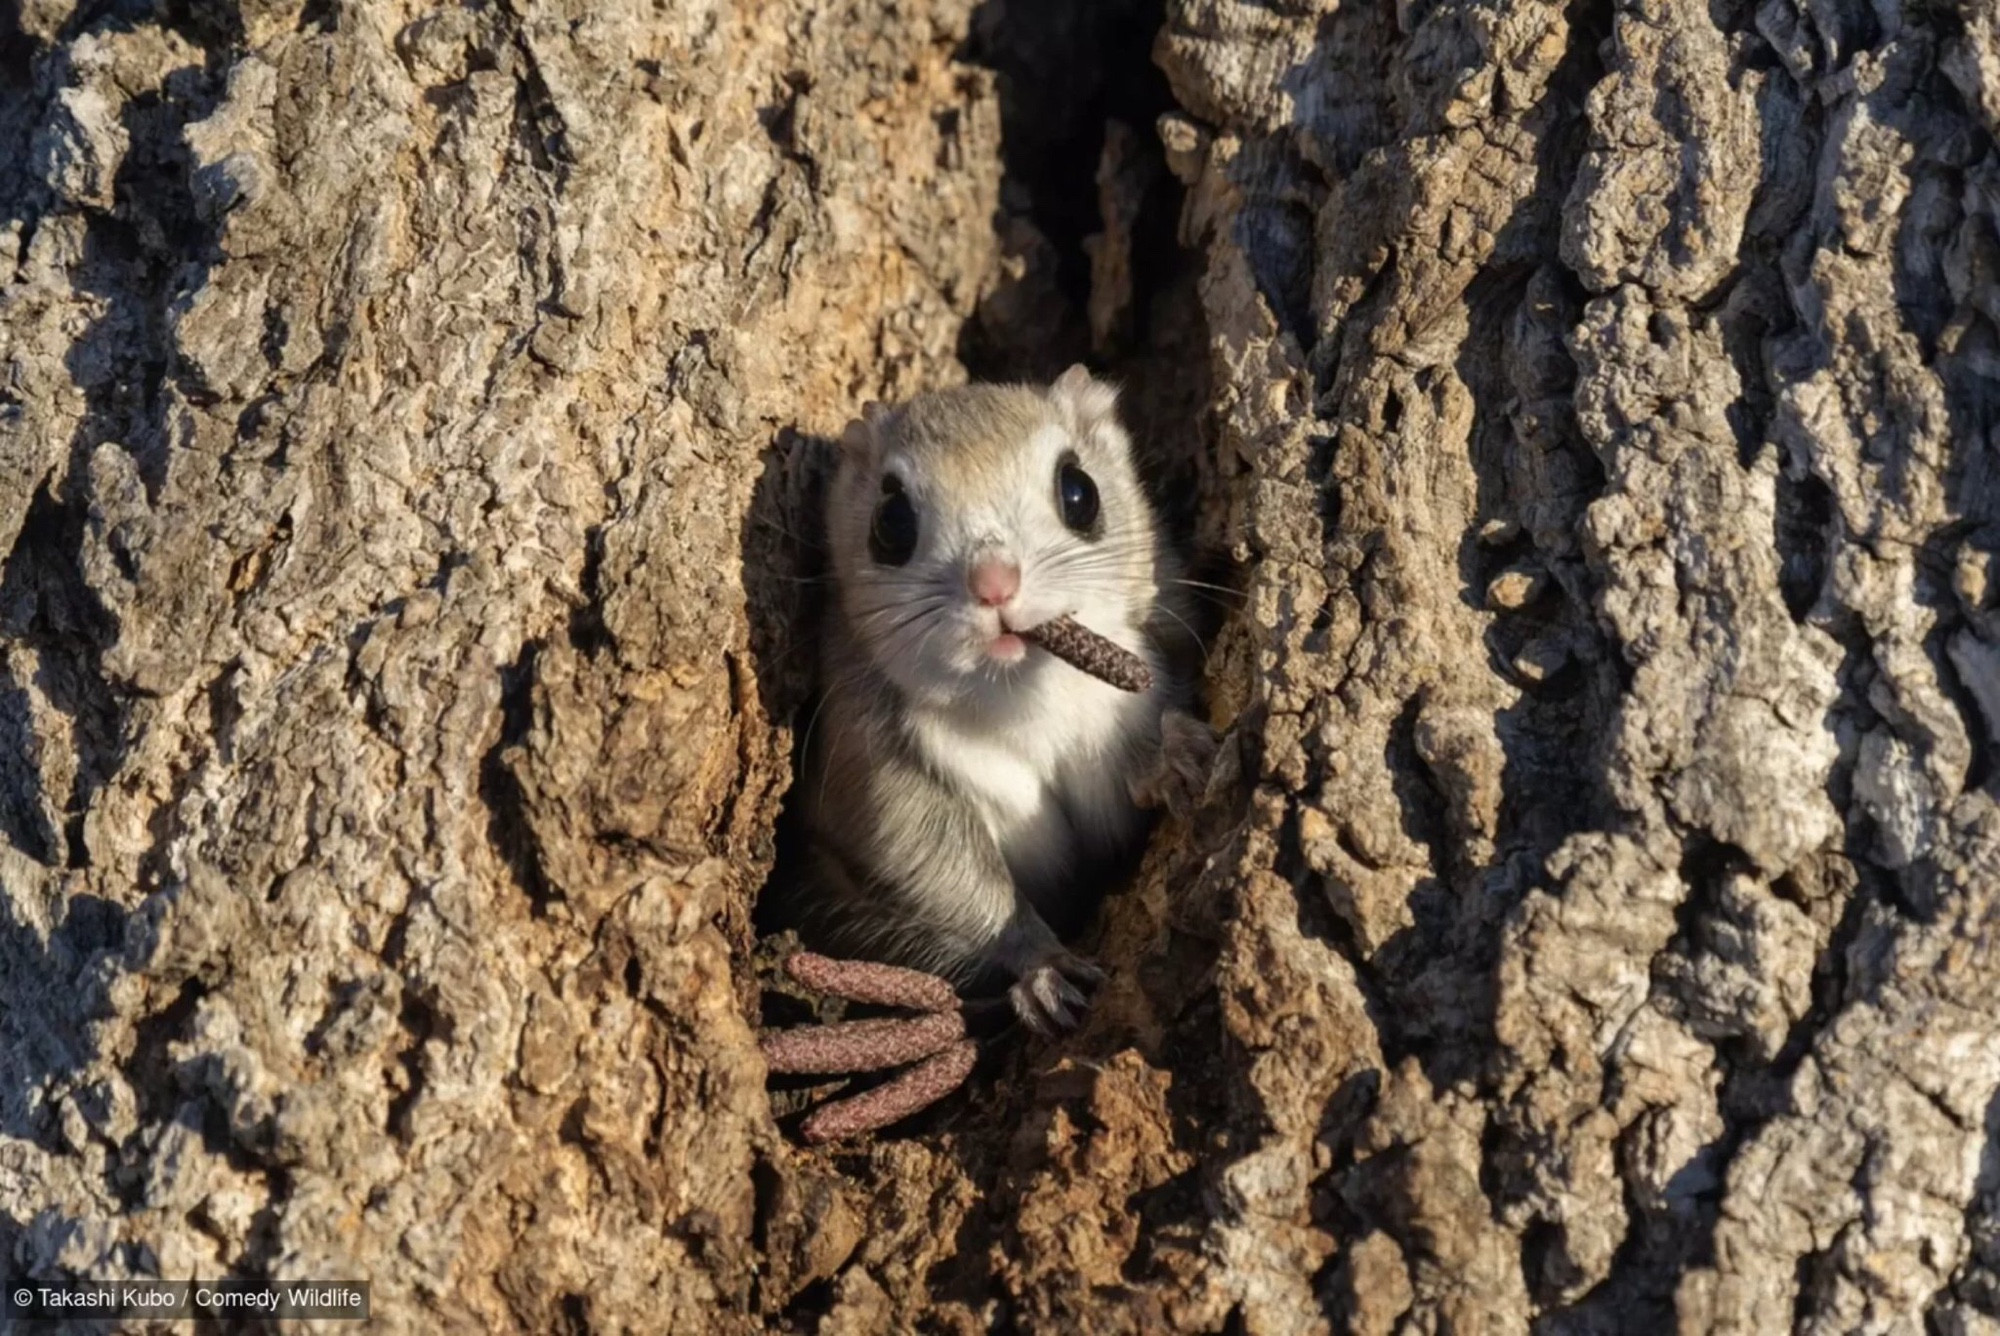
1050	997
1179	775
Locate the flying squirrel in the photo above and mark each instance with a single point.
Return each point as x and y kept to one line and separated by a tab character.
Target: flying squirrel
965	795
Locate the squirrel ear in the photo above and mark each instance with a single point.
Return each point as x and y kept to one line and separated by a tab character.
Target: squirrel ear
1071	382
859	435
1083	398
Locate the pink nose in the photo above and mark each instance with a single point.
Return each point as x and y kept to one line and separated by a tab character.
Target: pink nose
994	582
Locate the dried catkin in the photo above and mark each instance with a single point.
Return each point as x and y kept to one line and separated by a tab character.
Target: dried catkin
861	1046
919	1087
1086	651
867	981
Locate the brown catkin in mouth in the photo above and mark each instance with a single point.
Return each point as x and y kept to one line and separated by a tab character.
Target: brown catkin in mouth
919	1087
867	981
1086	651
861	1046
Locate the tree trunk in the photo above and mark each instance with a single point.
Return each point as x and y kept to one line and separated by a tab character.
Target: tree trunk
406	435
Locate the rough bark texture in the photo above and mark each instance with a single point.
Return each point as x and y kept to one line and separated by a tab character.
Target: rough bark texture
406	417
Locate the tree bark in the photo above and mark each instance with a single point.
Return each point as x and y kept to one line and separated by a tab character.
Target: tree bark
407	433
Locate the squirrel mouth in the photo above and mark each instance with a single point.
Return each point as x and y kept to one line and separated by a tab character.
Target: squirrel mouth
1009	644
1007	648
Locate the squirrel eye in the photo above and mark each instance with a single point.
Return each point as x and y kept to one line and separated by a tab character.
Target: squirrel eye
892	538
1076	496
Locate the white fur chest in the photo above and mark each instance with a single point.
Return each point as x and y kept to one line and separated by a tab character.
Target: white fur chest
1045	760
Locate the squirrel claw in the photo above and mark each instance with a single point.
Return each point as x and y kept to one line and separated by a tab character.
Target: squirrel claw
1049	998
